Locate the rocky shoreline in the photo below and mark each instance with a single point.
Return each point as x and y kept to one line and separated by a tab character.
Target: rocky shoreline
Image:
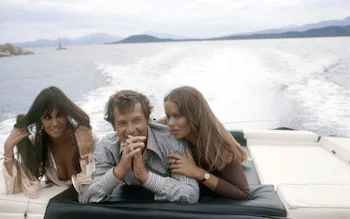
9	49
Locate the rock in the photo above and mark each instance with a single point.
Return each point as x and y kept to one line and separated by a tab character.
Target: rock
9	49
27	52
5	54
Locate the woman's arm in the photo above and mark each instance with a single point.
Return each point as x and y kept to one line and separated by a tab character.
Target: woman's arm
233	183
14	138
86	141
16	180
20	182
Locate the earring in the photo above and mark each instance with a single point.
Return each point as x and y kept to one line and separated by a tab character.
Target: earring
41	128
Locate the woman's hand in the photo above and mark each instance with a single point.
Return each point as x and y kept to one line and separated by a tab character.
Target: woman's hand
83	135
184	165
14	138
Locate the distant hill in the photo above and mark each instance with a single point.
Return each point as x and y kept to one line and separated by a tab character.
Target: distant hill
164	35
90	39
318	32
144	39
321	24
341	23
96	38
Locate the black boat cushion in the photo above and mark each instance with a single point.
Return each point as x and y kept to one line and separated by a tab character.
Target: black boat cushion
137	202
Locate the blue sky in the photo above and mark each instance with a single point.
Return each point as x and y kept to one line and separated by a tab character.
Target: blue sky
24	20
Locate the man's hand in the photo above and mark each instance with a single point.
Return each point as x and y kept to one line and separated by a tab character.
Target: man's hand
139	168
130	150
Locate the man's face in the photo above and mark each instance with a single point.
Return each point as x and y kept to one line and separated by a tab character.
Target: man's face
130	123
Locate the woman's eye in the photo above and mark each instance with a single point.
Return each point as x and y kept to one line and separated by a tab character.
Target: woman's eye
177	116
47	117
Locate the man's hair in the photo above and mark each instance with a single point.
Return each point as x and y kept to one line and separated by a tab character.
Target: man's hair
125	101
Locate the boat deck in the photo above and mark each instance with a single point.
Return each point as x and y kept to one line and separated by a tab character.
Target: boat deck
293	174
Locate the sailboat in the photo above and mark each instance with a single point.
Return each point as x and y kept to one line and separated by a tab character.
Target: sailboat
60	45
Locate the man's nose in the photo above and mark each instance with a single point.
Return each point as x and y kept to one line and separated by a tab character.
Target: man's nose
130	129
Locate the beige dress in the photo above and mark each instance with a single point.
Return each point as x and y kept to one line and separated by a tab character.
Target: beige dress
31	187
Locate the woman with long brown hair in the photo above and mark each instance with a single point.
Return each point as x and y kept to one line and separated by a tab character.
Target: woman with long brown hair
217	156
53	139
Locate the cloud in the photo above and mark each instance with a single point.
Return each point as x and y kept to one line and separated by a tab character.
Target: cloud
22	20
314	4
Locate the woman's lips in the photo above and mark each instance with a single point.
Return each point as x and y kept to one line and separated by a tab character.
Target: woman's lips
56	130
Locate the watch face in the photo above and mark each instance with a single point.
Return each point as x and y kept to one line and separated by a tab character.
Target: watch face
206	176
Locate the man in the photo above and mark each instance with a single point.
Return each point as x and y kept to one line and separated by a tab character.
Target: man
137	154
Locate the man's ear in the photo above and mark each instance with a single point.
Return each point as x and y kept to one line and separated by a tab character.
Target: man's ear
114	127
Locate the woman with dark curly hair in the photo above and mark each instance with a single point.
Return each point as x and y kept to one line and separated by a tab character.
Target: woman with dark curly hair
54	140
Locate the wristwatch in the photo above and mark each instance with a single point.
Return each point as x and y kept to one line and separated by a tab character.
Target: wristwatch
206	176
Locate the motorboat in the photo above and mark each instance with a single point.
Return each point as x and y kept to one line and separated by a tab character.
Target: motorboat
292	174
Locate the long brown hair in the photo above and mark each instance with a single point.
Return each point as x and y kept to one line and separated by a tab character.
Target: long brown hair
33	154
215	147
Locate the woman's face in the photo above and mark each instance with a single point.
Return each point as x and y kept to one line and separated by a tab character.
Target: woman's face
54	124
176	121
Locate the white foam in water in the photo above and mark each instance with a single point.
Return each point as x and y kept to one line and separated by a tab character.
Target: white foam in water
327	101
247	83
211	72
5	130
